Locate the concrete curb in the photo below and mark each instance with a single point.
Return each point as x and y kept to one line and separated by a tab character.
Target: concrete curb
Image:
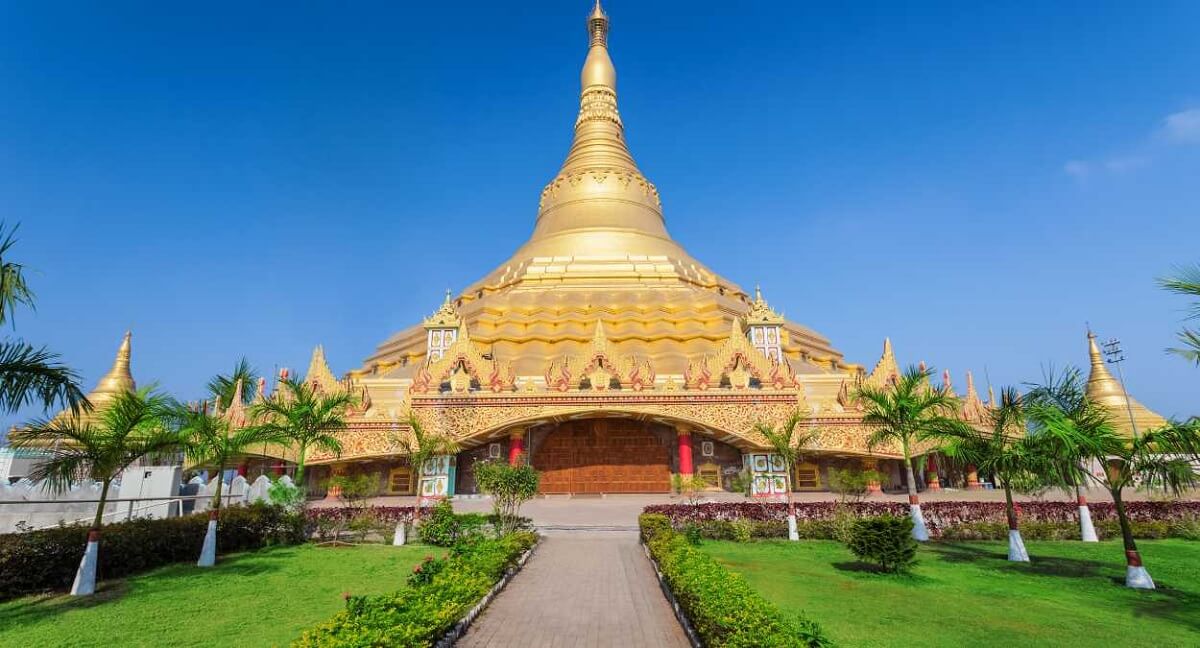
680	615
455	633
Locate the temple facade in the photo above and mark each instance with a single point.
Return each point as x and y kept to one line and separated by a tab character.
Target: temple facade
609	358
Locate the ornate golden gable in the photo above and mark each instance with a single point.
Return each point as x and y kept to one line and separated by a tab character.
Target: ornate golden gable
319	375
464	367
444	317
601	369
886	371
735	364
973	409
761	312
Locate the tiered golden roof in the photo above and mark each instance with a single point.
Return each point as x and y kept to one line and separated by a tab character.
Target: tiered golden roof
1104	389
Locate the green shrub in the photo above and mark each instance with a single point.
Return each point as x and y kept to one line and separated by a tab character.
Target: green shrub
692	533
653	524
886	541
441	527
510	486
721	606
741	530
420	615
46	559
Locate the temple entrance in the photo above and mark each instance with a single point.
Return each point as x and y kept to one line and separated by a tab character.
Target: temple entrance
604	456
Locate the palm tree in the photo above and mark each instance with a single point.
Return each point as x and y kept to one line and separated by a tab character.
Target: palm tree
28	374
1187	282
209	440
304	416
790	445
223	388
1063	394
100	446
420	446
1162	458
1006	451
908	412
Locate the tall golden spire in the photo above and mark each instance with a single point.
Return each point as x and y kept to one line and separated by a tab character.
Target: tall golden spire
1109	393
599	185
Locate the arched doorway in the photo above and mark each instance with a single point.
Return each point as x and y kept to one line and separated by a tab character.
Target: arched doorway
610	455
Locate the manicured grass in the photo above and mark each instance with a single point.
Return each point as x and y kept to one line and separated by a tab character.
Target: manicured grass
963	594
262	598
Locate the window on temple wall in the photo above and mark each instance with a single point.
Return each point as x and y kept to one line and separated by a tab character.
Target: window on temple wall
400	481
440	340
808	476
710	474
766	338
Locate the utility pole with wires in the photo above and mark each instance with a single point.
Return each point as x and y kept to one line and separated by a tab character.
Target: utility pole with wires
1114	355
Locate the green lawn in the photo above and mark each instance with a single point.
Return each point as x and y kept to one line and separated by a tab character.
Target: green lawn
963	594
262	598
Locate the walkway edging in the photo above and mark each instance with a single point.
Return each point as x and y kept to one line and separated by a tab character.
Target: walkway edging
455	633
680	615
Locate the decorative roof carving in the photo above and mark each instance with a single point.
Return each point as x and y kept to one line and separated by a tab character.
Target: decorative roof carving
736	364
444	317
464	367
319	375
602	368
761	312
886	371
973	409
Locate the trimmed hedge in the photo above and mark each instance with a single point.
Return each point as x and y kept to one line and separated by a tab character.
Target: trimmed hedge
886	541
423	613
723	609
46	559
947	520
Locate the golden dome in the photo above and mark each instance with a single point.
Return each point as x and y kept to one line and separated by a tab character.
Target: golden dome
600	251
1107	391
118	380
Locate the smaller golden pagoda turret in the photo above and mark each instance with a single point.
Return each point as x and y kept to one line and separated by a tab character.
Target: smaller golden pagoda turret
319	375
118	380
1109	393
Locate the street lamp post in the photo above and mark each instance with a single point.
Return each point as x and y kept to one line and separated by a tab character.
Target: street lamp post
1114	355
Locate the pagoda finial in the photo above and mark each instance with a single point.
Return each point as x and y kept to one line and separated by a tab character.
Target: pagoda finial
761	312
319	373
444	317
119	378
598	26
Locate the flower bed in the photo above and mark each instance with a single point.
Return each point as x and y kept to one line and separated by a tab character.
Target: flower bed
440	593
46	559
720	605
949	520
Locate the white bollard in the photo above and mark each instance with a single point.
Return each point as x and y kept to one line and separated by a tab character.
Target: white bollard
85	577
793	535
208	553
920	532
1016	547
401	535
1138	578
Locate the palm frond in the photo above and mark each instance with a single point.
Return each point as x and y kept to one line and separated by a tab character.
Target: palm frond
1190	350
13	288
222	387
1185	282
30	375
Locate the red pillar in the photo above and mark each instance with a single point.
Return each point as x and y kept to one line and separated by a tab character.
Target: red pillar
685	450
973	478
516	446
931	475
873	485
279	469
241	469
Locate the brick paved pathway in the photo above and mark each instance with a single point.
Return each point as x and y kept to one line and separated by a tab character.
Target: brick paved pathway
581	589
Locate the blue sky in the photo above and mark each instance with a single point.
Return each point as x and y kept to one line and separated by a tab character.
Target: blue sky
976	182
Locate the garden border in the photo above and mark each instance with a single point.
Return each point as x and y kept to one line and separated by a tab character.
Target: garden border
460	628
680	615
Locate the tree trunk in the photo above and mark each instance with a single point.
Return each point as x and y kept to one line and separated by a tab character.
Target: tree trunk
300	465
208	551
85	576
920	532
1087	530
1136	575
793	534
1016	545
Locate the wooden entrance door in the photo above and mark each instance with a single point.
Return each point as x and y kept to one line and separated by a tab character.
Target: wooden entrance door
603	456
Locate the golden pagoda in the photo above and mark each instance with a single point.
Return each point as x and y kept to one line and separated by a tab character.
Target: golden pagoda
118	380
1124	411
603	353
